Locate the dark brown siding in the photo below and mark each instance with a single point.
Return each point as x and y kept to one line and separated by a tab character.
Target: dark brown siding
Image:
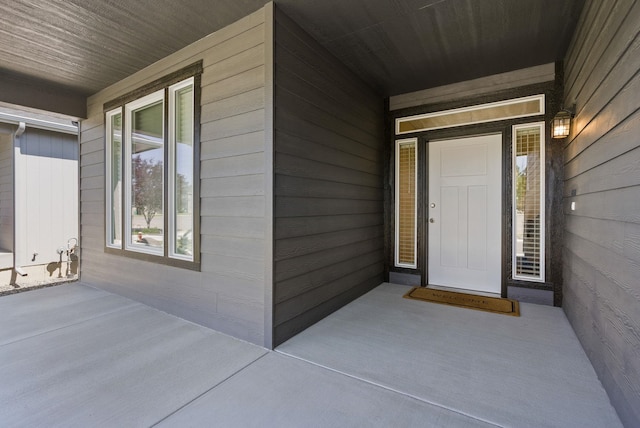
328	183
602	177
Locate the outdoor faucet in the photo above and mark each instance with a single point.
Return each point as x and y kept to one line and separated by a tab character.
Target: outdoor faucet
71	249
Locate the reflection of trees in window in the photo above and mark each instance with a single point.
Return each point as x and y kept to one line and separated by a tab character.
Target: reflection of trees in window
147	187
521	187
183	190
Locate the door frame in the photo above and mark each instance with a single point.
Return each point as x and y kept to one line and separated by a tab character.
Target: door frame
423	194
544	293
497	158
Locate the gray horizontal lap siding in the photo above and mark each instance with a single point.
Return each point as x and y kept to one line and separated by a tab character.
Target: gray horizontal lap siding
328	226
228	293
602	177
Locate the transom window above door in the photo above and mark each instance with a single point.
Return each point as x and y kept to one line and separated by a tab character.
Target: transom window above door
501	110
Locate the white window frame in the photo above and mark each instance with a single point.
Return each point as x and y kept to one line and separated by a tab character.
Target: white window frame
172	169
541	108
397	263
108	169
515	128
127	142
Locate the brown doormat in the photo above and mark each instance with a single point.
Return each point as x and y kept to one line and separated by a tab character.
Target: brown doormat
481	303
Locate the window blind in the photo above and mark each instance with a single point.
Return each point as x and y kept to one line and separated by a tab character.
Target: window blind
528	207
406	204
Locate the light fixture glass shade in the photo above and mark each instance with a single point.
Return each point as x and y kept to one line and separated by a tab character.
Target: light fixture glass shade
561	124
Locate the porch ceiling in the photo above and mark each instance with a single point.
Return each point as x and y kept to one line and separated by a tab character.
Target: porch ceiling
82	46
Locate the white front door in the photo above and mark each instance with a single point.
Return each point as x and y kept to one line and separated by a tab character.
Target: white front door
464	213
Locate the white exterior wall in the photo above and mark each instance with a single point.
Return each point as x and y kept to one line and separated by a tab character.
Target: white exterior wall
38	195
46	195
6	201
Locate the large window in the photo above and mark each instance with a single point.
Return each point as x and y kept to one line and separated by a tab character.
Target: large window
151	168
528	203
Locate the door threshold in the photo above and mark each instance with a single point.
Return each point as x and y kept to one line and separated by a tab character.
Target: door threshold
463	290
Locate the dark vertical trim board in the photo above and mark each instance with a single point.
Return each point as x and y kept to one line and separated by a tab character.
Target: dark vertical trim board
269	159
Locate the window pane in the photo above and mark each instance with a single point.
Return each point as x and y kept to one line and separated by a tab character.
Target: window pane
147	170
115	178
529	216
521	107
406	204
183	170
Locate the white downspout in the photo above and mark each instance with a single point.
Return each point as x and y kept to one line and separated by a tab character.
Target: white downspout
79	231
22	126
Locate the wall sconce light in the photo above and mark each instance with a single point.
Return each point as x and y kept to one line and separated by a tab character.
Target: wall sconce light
561	124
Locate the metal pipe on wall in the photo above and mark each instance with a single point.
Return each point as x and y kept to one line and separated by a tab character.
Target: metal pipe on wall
22	126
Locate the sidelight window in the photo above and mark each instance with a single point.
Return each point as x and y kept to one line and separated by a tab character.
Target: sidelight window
406	202
528	202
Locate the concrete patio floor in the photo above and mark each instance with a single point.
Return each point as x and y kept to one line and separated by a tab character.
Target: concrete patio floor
76	356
